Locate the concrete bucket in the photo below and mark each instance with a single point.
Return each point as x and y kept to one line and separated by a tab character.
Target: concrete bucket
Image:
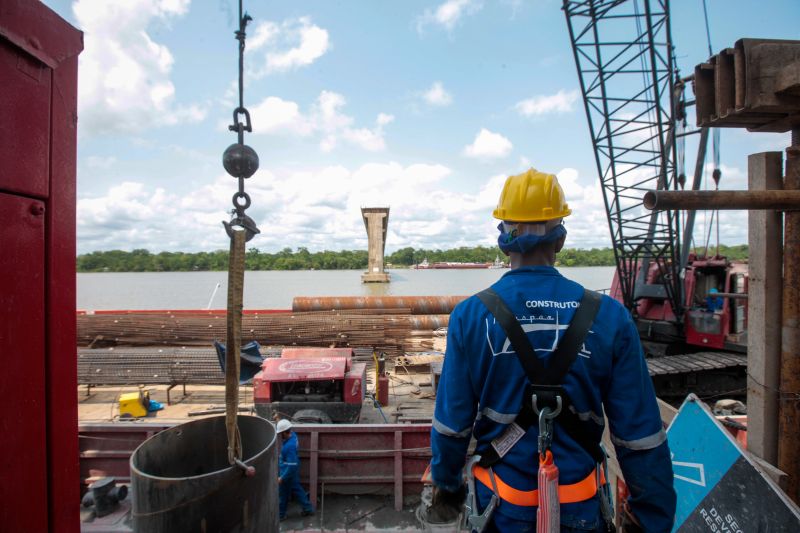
181	479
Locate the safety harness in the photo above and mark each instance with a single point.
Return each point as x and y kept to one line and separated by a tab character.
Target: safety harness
545	400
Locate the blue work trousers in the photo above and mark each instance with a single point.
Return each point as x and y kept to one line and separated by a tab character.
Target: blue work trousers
503	524
291	488
500	523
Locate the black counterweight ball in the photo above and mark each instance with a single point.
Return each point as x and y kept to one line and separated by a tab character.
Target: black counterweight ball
240	160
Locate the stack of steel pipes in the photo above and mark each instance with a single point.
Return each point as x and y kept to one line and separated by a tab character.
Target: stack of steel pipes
427	313
386	333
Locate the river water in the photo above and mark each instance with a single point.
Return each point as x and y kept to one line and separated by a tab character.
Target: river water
275	289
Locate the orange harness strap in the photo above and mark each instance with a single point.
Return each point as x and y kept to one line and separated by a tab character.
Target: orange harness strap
577	492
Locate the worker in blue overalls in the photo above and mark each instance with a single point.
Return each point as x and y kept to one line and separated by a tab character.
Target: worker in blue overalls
484	388
289	472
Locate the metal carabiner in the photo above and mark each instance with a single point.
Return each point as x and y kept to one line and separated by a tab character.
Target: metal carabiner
546	416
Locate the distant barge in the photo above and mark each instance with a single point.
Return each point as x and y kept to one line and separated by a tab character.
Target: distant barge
443	265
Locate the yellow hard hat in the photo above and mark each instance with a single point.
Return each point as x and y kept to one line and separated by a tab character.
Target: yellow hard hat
531	197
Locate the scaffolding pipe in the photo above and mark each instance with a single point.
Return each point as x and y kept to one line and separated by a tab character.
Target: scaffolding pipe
783	200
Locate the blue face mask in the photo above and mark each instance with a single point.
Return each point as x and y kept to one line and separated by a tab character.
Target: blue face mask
512	242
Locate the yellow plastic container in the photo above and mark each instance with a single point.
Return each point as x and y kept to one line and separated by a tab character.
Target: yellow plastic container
133	404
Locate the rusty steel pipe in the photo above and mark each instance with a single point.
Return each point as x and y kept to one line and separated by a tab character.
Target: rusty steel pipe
784	200
419	305
428	322
789	387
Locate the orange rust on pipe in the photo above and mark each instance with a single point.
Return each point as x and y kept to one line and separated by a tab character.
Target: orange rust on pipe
419	305
789	384
783	200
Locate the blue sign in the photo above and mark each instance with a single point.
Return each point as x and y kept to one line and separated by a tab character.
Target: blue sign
719	489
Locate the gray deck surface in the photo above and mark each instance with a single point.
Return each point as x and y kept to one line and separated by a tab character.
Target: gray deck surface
354	513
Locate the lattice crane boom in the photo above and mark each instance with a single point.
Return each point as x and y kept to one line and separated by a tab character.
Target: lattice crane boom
629	88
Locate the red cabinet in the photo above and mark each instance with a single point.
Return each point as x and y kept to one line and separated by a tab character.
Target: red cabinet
23	461
39	482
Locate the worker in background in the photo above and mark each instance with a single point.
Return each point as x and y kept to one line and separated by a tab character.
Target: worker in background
289	472
483	388
714	302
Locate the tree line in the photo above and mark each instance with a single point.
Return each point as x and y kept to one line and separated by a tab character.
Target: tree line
302	259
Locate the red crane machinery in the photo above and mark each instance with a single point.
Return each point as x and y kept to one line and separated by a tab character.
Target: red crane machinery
690	311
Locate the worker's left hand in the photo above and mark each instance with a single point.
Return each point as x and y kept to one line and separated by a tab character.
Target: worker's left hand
445	506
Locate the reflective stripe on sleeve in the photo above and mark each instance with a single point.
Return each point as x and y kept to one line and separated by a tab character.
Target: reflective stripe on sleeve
495	416
589	415
448	432
645	443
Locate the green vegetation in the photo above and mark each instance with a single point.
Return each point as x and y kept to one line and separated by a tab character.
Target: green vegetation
302	259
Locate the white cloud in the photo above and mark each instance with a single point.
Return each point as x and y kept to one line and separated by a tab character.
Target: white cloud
293	44
437	95
448	14
263	34
384	119
488	145
319	208
275	115
561	102
324	119
587	226
125	76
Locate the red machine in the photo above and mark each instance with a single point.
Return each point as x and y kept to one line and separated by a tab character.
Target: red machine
317	385
708	324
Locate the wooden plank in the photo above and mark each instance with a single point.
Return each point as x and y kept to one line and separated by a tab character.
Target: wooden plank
778	476
764	310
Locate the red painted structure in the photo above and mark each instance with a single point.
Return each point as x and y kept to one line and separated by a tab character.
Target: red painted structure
38	118
352	459
722	328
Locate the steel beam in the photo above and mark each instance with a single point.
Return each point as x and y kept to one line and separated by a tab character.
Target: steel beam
789	390
753	85
786	200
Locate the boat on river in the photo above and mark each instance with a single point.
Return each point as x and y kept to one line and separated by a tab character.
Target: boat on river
444	265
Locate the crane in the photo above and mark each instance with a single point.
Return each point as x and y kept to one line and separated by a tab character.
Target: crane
636	109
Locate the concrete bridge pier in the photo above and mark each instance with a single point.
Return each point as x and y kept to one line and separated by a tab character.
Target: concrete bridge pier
376	220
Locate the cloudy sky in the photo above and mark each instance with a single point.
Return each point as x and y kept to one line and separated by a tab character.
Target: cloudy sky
424	106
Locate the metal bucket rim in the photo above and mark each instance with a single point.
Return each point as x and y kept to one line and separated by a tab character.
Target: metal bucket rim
207	474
